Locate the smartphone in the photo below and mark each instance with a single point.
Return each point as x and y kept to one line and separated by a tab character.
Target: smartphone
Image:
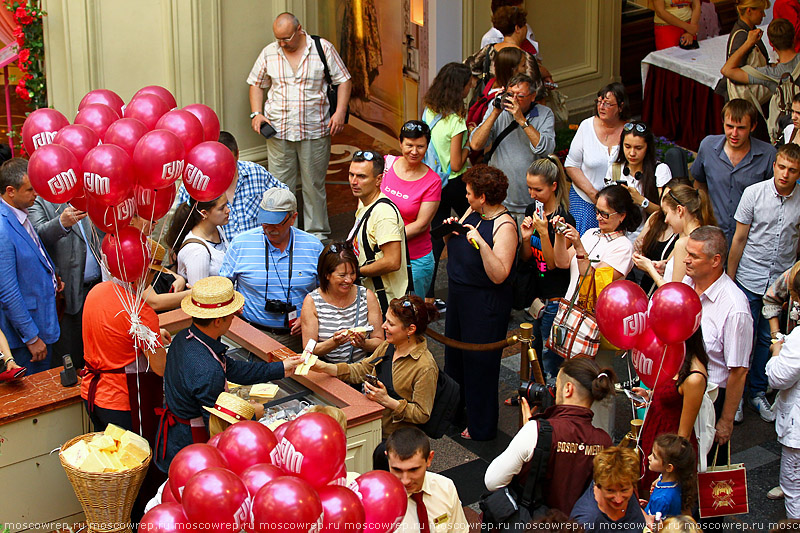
446	229
267	130
371	379
633	396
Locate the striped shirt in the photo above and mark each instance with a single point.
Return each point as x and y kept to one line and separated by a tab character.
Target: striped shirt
253	181
246	264
332	319
297	104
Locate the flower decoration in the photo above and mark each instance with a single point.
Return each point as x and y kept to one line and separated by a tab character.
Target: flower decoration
31	86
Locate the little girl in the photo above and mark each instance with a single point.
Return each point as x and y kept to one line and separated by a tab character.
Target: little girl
675	490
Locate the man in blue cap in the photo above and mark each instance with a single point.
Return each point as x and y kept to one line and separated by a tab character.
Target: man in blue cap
274	266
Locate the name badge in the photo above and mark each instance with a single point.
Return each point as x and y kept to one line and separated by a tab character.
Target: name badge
292	316
440	519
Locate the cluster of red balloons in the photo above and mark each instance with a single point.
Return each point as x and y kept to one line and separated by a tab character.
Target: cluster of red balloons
653	330
119	160
245	478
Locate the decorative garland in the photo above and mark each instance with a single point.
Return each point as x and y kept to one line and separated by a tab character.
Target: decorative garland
31	87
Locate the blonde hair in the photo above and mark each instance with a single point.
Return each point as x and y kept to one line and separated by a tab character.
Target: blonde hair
551	170
744	5
333	412
682	523
616	466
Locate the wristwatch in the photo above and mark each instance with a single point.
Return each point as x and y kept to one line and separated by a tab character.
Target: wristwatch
645	203
253	114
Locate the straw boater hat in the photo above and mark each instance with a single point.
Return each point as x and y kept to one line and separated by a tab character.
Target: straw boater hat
157	253
231	408
212	297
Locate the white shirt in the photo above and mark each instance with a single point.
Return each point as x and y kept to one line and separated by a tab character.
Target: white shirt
196	261
617	253
445	513
496	36
590	155
727	328
783	372
509	463
663	175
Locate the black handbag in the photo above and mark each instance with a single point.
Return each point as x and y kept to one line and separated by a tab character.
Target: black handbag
506	509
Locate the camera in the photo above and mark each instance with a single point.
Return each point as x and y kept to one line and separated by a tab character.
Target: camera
561	227
501	99
538	395
278	307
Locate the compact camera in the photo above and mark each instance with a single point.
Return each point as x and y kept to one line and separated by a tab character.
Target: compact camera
561	227
501	99
538	395
279	307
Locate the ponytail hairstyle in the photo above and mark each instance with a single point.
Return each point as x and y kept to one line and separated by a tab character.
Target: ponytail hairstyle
695	201
597	382
551	170
187	215
678	452
648	177
658	220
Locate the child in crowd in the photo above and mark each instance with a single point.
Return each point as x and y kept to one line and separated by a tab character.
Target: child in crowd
675	490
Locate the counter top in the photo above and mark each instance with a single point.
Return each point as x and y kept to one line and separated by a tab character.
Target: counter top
35	394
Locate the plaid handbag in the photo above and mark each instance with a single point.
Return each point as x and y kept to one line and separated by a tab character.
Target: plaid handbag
722	490
575	330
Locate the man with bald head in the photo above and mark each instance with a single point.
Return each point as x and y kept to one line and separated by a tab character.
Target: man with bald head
292	71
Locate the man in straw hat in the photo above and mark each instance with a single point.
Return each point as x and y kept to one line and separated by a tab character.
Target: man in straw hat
197	368
274	266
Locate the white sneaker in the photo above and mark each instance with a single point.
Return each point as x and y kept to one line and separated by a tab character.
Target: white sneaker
761	404
775	493
738	418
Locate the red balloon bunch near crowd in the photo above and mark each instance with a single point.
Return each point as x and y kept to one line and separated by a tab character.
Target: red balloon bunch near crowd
654	330
250	480
118	160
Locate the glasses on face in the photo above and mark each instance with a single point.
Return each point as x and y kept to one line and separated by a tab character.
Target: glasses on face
286	39
605	103
519	96
604	215
638	126
364	155
414	126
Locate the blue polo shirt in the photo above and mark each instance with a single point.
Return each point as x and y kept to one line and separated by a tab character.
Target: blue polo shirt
726	183
246	264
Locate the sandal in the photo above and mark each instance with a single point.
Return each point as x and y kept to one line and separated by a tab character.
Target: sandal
465	434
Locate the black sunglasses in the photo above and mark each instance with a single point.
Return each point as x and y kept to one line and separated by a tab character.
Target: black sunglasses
339	247
408	303
411	126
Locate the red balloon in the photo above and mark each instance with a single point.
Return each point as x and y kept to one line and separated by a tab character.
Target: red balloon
78	139
165	518
213	441
209	171
621	312
675	312
245	444
41	127
103	96
313	448
655	361
125	133
113	219
217	500
280	431
127	253
148	108
107	174
207	118
54	173
159	91
158	159
340	478
256	476
343	510
98	117
287	504
79	201
190	460
384	499
183	124
153	204
166	494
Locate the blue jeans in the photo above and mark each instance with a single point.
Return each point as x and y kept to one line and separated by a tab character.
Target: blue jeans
761	343
550	361
422	271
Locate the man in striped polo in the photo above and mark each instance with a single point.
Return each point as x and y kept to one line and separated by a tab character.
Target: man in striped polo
274	266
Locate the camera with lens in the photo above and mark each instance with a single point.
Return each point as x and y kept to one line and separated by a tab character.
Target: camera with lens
279	307
538	395
501	99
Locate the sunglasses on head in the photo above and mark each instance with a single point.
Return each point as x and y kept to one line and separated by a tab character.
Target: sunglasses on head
339	247
406	303
364	155
638	126
411	126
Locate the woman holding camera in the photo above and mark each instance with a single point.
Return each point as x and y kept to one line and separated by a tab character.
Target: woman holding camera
479	268
404	367
580	383
333	313
547	185
594	146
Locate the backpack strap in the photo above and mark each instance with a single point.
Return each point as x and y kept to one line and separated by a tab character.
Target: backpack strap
533	493
195	241
432	147
503	134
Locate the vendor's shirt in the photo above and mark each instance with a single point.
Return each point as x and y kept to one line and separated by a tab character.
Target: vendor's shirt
251	257
445	513
588	514
194	377
107	343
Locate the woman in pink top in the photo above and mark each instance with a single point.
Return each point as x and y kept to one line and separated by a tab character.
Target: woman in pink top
416	190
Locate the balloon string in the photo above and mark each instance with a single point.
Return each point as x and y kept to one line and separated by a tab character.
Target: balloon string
652	394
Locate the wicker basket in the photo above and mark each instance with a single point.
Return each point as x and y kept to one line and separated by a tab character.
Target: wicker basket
107	499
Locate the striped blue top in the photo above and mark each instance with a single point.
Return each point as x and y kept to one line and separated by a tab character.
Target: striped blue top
246	264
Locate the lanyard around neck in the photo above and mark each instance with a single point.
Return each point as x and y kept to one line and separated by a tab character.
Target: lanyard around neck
266	264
